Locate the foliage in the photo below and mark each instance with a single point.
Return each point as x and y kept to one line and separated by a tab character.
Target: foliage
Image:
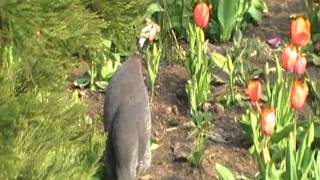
202	124
153	60
297	164
199	67
124	20
224	173
117	38
44	134
52	32
241	63
313	10
177	14
45	127
230	16
102	67
227	16
288	152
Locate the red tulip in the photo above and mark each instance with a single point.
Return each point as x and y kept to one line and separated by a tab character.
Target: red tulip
299	93
288	57
300	31
300	66
201	14
254	90
268	121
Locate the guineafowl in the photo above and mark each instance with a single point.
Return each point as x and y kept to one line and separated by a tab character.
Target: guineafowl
128	123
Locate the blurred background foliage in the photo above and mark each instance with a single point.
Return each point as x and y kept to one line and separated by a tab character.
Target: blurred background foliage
45	133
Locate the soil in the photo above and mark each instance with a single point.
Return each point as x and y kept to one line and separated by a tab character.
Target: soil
227	144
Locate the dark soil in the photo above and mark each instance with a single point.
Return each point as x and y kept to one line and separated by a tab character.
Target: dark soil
227	144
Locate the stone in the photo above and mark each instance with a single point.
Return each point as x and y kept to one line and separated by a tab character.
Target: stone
218	108
207	106
181	150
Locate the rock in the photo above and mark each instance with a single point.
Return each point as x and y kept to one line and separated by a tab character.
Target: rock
207	106
218	108
181	150
173	122
221	48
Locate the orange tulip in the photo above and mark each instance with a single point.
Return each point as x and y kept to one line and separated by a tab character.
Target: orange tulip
254	90
288	57
300	31
299	93
268	121
300	66
201	14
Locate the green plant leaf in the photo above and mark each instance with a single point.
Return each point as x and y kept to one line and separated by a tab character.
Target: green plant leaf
291	168
153	8
221	62
273	173
154	144
227	12
316	165
102	84
283	133
224	173
82	82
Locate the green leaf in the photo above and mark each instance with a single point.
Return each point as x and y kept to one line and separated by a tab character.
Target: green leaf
153	8
227	11
224	173
221	62
82	82
272	172
291	168
316	165
102	84
283	133
255	13
154	144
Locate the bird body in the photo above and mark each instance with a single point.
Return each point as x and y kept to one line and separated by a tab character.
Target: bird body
128	123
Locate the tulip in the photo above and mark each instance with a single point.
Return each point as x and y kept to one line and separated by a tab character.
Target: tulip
288	57
300	66
268	121
298	96
300	31
254	90
201	14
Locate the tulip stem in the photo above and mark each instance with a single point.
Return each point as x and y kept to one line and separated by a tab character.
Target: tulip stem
294	131
258	107
266	71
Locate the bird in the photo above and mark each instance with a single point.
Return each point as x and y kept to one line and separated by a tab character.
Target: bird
127	121
148	32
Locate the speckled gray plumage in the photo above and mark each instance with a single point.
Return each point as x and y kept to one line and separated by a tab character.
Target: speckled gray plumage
128	123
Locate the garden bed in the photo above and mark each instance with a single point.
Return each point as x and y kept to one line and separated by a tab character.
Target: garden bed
227	143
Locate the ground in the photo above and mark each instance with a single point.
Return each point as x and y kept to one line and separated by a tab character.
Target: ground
227	143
